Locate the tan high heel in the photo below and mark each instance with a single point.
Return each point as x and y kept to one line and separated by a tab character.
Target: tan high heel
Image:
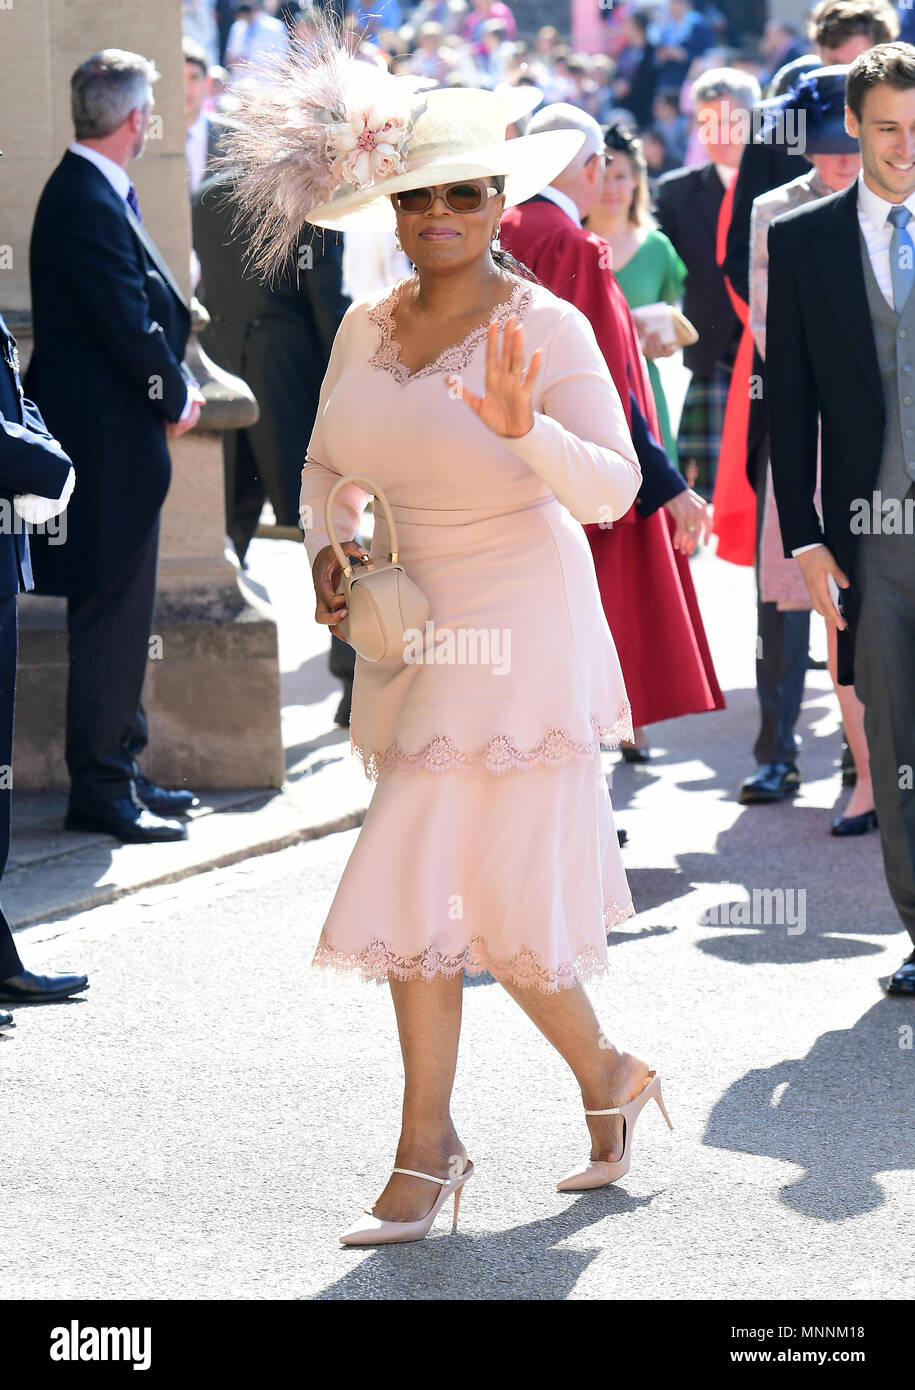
600	1174
371	1230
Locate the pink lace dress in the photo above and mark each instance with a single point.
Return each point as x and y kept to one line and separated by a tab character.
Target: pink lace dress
489	842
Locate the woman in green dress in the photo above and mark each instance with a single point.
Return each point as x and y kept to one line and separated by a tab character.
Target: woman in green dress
644	261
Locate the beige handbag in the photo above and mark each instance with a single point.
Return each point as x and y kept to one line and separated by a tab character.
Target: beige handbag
382	601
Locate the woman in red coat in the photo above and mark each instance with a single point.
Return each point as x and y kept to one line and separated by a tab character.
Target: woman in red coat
645	584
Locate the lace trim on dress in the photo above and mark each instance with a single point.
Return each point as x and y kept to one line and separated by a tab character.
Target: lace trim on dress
525	969
451	359
500	754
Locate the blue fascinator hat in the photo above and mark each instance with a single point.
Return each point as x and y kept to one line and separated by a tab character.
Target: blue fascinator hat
812	112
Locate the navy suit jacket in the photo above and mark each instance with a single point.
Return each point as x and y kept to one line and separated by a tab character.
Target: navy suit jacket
30	461
111	327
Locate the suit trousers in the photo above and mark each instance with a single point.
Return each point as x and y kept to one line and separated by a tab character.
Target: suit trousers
885	684
109	646
784	649
10	964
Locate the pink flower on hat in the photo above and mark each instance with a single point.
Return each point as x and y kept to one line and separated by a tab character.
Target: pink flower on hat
370	145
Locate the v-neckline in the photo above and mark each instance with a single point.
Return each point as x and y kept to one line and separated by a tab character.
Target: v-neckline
455	356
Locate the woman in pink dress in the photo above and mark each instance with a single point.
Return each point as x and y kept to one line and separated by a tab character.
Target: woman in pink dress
482	406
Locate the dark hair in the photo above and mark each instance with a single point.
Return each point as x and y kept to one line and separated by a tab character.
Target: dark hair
889	64
620	140
194	53
504	259
834	22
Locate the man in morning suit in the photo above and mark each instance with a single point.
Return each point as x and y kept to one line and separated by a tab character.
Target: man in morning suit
111	327
840	334
36	480
277	337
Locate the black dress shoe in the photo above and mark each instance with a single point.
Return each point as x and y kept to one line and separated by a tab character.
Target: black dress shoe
770	782
854	825
162	802
635	755
7	1021
127	819
40	989
903	982
622	836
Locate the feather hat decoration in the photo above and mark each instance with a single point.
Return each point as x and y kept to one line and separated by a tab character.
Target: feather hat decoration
316	122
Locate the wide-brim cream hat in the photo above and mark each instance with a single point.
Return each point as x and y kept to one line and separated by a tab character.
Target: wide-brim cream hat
325	138
459	135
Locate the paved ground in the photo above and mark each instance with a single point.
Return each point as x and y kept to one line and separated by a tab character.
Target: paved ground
207	1119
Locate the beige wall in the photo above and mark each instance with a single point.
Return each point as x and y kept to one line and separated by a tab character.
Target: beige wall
41	42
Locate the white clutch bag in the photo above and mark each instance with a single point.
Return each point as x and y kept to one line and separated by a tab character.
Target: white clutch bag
383	602
667	321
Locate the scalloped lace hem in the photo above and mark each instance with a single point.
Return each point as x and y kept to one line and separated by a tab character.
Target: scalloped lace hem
454	358
499	754
376	962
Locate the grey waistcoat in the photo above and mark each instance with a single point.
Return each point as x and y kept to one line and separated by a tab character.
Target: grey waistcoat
894	336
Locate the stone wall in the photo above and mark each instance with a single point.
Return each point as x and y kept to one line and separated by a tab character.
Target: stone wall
212	692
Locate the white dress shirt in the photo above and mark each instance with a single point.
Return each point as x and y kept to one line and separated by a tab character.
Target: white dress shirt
873	212
726	174
562	200
119	179
196	148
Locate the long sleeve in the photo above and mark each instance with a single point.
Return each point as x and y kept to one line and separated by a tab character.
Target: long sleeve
30	460
318	476
661	479
580	443
103	273
794	405
759	276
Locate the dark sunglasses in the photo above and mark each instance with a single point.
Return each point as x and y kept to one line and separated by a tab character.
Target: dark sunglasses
458	197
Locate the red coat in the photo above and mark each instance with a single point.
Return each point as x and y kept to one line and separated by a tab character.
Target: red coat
645	585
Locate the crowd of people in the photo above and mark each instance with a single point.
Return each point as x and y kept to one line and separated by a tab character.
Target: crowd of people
638	191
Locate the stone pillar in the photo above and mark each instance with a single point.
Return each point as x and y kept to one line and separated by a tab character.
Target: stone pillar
213	686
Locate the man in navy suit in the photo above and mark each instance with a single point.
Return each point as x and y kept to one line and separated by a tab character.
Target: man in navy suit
36	479
111	326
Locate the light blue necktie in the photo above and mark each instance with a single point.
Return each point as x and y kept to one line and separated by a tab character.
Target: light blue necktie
902	257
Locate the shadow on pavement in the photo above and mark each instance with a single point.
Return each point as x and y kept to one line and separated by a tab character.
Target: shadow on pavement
521	1263
842	1113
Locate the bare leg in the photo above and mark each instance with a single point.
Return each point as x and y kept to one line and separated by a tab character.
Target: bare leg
606	1077
429	1025
862	797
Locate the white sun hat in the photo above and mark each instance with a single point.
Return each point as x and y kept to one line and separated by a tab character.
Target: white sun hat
459	135
329	138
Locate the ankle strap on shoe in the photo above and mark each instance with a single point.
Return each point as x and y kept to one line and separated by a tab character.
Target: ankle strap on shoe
411	1173
617	1110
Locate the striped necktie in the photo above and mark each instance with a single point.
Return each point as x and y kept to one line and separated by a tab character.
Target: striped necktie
902	256
133	204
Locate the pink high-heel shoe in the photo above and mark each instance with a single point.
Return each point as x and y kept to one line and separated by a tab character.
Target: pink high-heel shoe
600	1174
371	1230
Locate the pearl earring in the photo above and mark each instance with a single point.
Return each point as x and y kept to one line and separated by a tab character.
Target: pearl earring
494	240
397	241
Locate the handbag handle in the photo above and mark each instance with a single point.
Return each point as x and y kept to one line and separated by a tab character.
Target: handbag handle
376	491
